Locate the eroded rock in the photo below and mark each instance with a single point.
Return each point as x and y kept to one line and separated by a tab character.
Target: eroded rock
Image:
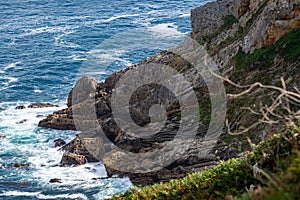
72	159
59	142
22	121
21	165
20	107
41	105
55	180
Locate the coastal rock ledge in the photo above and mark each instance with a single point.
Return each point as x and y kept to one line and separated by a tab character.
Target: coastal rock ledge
224	27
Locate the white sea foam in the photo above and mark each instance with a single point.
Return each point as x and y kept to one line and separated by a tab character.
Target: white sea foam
165	30
106	56
44	158
119	17
7	67
110	19
185	15
11	65
77	57
37	91
9	80
58	40
39	195
47	29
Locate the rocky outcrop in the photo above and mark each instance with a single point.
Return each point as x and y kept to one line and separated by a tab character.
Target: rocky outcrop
224	27
76	146
20	107
275	19
84	87
41	105
22	121
59	142
207	19
36	105
55	180
253	24
72	159
21	165
59	120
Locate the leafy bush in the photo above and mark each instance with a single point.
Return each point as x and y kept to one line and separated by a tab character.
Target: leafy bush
287	47
230	178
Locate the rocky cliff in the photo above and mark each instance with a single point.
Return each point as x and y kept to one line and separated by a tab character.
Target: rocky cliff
232	32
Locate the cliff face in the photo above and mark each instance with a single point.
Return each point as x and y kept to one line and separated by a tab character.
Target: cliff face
227	25
230	30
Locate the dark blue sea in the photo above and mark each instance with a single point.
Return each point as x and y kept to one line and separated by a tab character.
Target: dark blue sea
44	48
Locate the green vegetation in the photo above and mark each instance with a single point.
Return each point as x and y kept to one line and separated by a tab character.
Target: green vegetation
273	166
275	158
287	47
255	15
205	111
228	21
226	42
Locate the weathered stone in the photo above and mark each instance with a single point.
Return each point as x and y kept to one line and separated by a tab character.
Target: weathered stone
207	18
276	19
259	23
20	165
20	107
72	159
83	146
41	105
55	180
83	87
59	142
22	121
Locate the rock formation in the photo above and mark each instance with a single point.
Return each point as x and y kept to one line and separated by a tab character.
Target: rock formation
59	142
72	159
224	27
36	105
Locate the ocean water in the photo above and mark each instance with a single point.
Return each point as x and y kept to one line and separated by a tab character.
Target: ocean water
44	45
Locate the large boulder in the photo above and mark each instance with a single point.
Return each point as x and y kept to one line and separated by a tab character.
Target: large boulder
78	146
72	159
82	89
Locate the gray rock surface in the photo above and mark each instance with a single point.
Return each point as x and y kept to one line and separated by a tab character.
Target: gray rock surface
258	23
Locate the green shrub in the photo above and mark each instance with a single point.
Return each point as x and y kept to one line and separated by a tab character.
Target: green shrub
287	47
230	178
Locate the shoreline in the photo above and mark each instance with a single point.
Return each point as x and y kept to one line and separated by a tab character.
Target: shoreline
222	19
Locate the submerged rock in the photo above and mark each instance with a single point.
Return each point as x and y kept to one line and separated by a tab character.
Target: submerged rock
55	180
59	142
22	121
20	165
20	107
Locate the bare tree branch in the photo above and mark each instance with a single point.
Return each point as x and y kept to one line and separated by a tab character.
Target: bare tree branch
285	108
